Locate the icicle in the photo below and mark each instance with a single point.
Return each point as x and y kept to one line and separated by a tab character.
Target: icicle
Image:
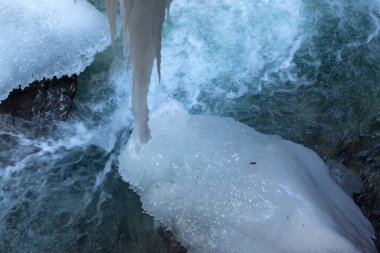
111	7
168	3
142	22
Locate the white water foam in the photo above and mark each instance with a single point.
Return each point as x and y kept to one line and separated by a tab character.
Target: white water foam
229	42
220	186
47	38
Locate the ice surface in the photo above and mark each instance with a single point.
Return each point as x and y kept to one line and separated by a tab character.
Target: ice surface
223	187
46	38
348	179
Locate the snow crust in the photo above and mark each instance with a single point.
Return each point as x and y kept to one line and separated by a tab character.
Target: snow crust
221	186
46	38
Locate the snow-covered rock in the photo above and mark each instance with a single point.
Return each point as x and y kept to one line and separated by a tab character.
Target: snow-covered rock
46	38
221	186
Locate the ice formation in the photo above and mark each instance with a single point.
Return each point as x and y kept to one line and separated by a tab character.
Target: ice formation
348	179
221	186
47	38
142	22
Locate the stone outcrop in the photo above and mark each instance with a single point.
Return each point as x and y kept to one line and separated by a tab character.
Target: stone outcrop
46	99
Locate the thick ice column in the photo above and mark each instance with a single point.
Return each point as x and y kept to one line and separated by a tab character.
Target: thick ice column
142	21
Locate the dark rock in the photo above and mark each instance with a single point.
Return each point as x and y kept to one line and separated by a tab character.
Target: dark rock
363	155
173	246
49	98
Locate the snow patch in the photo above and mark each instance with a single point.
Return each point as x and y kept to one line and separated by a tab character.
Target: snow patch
221	186
46	38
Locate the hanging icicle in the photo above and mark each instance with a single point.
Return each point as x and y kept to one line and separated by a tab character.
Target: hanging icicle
142	23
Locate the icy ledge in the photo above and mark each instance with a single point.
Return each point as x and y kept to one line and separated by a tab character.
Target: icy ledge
46	38
223	187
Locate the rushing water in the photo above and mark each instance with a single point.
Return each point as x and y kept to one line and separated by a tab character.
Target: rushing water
306	70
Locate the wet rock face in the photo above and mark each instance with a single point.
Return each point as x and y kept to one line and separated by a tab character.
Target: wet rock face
48	99
364	157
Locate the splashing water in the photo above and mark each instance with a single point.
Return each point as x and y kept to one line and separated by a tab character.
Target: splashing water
165	169
326	53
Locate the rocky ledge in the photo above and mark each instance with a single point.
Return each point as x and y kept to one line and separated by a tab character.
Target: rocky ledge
49	98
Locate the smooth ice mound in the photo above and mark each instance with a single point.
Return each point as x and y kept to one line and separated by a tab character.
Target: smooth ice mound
223	187
47	38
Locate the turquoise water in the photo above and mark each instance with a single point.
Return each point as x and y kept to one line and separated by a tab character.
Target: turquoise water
308	71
